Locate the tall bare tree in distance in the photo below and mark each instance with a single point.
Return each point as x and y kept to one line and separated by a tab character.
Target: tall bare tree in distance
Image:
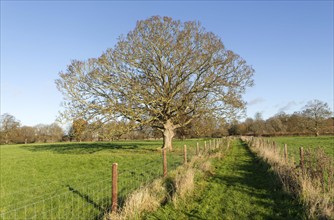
316	112
164	74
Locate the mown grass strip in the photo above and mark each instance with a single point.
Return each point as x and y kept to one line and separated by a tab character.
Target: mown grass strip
241	187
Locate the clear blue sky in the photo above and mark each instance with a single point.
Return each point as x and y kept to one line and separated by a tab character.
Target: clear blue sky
289	44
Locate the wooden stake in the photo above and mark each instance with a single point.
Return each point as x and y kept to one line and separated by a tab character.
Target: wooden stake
164	162
301	152
114	188
286	152
185	154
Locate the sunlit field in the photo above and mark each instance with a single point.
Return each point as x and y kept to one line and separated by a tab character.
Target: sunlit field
311	142
74	179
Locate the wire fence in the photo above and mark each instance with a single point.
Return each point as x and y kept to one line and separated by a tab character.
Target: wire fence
313	163
82	199
308	174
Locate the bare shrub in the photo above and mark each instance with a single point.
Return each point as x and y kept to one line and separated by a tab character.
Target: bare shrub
320	205
319	166
184	182
206	167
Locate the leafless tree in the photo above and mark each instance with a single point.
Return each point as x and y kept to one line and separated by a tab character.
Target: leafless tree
316	112
275	125
258	126
41	133
163	74
55	132
48	133
27	134
9	126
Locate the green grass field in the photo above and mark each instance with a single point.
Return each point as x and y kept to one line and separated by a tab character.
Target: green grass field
73	180
325	142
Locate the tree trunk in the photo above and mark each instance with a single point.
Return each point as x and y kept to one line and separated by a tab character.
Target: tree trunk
168	135
316	131
6	139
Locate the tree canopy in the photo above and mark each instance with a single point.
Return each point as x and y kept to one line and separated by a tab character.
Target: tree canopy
164	74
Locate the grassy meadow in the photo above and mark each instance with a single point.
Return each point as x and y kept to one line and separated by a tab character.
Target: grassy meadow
310	142
71	180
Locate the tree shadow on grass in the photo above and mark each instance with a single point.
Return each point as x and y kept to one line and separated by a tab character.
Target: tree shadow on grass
89	200
255	178
90	148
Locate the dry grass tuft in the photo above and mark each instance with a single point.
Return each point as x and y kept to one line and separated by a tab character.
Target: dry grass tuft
176	187
144	199
318	203
184	183
206	166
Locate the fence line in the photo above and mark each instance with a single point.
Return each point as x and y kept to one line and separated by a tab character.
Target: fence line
311	179
313	163
58	183
94	199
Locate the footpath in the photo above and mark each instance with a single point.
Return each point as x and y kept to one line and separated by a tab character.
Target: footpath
240	186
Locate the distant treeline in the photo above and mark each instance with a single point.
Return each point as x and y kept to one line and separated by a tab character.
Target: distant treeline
11	131
283	124
314	119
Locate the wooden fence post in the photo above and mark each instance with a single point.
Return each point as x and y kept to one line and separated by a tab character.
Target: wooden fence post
204	146
197	149
185	154
301	152
164	162
114	188
286	152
